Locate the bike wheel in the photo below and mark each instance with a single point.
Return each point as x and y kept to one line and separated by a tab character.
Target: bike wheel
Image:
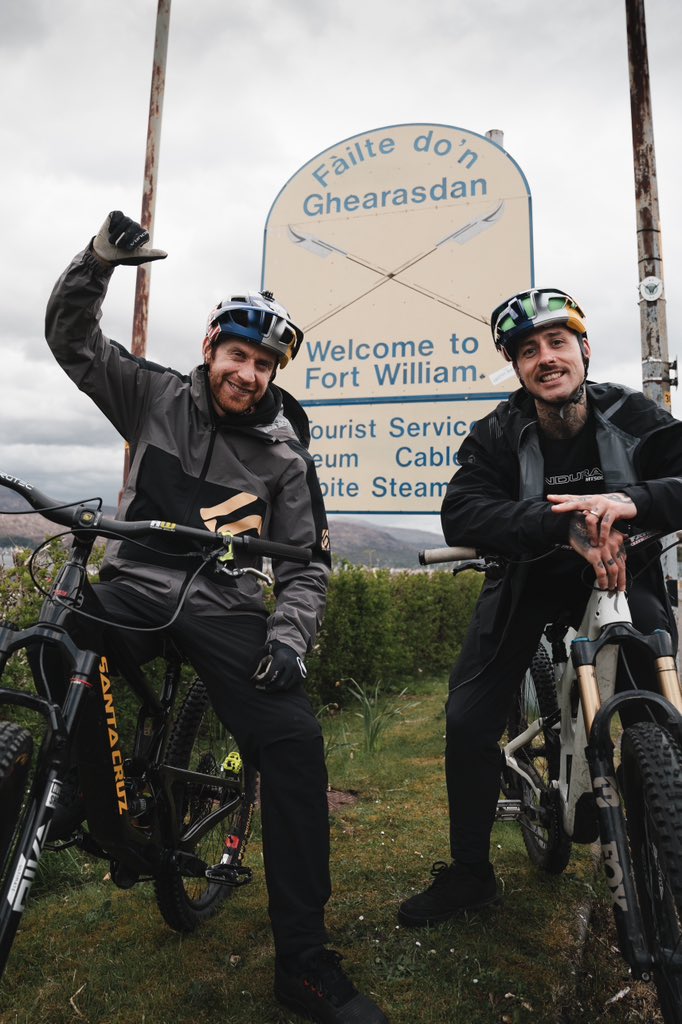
16	751
200	742
652	791
548	846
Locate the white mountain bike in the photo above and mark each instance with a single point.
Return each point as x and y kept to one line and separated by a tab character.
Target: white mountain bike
572	775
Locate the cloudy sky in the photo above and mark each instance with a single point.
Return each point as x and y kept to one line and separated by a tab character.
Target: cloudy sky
253	92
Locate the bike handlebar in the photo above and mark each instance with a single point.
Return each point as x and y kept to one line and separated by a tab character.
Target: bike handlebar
432	556
83	517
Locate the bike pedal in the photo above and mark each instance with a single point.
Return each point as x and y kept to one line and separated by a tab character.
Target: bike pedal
229	874
508	810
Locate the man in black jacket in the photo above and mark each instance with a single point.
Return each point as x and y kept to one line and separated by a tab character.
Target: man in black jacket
563	463
223	448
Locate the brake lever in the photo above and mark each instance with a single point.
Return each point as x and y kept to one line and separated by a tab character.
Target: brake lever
246	571
261	672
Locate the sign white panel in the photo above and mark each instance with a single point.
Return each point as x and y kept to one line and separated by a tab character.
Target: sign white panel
390	249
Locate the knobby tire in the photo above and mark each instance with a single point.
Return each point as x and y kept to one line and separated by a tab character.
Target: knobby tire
652	790
16	751
200	742
548	846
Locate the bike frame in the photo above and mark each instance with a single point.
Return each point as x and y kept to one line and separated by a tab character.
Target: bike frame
586	759
139	847
114	832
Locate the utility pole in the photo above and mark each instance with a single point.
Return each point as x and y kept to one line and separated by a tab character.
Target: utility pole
151	169
656	367
656	378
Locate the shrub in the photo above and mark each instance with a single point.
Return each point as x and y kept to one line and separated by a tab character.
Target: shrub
389	627
381	626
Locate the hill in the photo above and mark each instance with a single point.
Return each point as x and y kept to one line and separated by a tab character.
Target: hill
355	540
363	543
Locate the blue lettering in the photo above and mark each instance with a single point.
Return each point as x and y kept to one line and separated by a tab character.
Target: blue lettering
473	157
312	205
320	174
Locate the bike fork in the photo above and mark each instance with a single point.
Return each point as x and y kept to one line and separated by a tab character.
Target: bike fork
42	800
617	861
21	872
612	826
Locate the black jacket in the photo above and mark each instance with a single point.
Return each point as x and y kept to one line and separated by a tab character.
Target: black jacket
495	502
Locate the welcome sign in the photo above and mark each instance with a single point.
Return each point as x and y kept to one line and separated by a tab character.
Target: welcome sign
390	249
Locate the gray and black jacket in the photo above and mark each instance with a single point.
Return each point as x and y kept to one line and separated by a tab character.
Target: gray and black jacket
495	502
251	473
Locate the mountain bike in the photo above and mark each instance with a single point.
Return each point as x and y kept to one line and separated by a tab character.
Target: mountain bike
174	809
573	773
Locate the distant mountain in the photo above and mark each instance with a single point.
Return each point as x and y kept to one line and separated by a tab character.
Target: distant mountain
355	540
21	530
362	543
20	526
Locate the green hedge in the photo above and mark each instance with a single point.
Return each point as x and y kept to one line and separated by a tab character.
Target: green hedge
381	626
389	627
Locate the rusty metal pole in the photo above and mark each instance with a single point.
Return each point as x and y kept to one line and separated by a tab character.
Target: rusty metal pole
656	367
151	168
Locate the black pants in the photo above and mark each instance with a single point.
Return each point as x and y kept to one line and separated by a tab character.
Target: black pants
481	693
277	733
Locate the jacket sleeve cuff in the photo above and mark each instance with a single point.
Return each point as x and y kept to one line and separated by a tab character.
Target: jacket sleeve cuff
640	495
555	527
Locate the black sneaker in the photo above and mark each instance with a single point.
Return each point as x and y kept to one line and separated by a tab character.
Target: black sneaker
317	988
455	888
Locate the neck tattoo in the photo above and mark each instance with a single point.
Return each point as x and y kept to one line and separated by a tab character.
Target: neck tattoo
560	427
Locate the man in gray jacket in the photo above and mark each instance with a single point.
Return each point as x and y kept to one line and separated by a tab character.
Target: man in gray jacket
225	448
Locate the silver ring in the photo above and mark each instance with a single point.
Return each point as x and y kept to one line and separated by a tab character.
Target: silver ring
591	512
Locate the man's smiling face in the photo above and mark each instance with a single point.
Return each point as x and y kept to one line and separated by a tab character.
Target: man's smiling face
549	363
238	373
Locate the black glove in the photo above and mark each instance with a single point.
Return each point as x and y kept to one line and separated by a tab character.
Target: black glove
123	240
280	668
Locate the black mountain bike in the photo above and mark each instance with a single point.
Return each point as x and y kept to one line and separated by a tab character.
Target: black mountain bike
176	808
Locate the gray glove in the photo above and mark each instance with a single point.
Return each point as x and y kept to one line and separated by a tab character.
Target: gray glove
123	240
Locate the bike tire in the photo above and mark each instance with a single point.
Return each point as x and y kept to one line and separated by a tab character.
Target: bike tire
652	791
16	753
547	845
199	741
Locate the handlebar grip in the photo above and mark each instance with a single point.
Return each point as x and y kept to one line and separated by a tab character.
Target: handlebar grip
289	552
432	555
62	515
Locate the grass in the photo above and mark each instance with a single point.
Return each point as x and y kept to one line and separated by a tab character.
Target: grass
93	954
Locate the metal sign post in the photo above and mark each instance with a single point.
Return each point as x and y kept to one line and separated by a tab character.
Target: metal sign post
656	367
151	167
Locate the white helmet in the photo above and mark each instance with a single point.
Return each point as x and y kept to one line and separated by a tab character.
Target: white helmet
258	318
516	317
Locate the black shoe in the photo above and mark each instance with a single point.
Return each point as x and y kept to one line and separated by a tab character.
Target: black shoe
316	987
455	888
